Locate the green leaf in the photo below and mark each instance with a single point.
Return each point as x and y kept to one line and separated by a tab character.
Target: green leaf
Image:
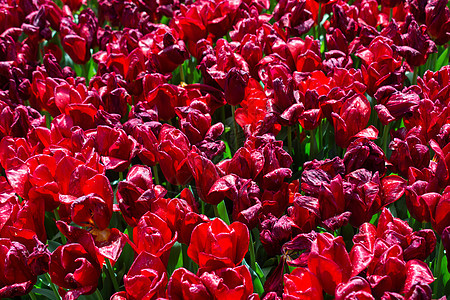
88	297
175	258
44	292
445	273
259	271
227	154
52	245
257	285
441	61
221	212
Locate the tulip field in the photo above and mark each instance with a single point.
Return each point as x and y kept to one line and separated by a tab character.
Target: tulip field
224	149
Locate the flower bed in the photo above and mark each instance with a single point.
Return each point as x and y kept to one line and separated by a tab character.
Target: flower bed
244	149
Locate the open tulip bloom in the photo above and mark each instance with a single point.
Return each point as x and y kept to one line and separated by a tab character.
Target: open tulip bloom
216	149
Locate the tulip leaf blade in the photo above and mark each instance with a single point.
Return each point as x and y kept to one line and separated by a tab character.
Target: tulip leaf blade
221	212
175	258
44	292
257	284
442	60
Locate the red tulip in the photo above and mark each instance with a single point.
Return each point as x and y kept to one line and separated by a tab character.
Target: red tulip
153	235
355	288
184	284
173	153
228	283
302	284
329	261
137	193
75	269
147	278
216	245
181	214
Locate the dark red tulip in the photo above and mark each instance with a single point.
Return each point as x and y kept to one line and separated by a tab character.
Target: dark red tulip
355	288
384	67
408	150
366	194
115	147
181	214
446	242
440	218
137	193
415	45
417	272
222	17
163	47
393	105
75	269
17	278
344	19
145	135
107	243
304	212
173	152
434	84
35	180
165	98
350	119
205	174
235	86
147	278
245	195
153	235
78	39
437	19
295	16
190	25
228	283
275	232
184	284
363	153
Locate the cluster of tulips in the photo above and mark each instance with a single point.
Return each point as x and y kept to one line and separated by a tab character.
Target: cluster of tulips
215	149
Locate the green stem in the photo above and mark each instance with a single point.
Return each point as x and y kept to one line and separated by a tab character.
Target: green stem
155	174
63	237
85	69
112	275
416	72
48	118
182	73
99	296
252	253
437	268
53	286
391	13
130	232
222	114
337	232
289	137
120	176
386	138
318	21
32	296
233	110
202	203
433	61
320	136
313	145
